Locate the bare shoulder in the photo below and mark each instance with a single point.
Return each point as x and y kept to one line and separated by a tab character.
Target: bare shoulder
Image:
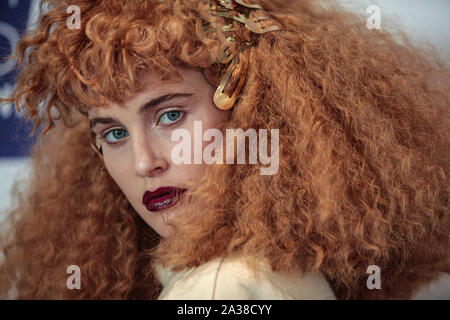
246	279
259	282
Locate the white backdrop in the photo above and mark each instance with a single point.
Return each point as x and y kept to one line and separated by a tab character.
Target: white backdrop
422	19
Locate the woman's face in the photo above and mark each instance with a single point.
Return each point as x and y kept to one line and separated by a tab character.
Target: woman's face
136	142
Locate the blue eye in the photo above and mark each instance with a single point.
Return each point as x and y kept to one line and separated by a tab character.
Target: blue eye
117	134
170	117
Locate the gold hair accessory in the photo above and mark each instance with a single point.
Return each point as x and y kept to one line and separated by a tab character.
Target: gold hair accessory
228	9
221	99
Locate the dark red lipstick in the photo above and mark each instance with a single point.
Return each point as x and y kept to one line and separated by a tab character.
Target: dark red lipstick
162	198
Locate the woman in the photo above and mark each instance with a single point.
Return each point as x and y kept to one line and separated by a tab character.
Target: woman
363	155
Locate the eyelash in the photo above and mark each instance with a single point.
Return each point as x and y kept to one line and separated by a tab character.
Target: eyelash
105	133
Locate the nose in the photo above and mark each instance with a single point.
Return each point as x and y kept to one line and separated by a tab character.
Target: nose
147	161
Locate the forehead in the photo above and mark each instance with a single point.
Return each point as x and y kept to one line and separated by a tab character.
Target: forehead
153	87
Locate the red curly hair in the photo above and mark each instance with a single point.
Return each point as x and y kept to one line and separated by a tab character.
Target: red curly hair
364	153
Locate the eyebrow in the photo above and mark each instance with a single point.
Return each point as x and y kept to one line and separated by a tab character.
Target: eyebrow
150	104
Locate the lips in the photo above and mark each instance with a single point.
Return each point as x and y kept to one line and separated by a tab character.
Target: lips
162	198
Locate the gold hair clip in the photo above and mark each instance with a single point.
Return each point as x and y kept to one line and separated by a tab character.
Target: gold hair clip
227	9
248	5
221	99
226	56
230	5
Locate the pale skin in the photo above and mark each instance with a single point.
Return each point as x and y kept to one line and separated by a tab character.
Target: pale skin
137	145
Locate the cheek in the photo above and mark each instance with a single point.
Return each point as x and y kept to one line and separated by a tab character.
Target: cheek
189	173
121	175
